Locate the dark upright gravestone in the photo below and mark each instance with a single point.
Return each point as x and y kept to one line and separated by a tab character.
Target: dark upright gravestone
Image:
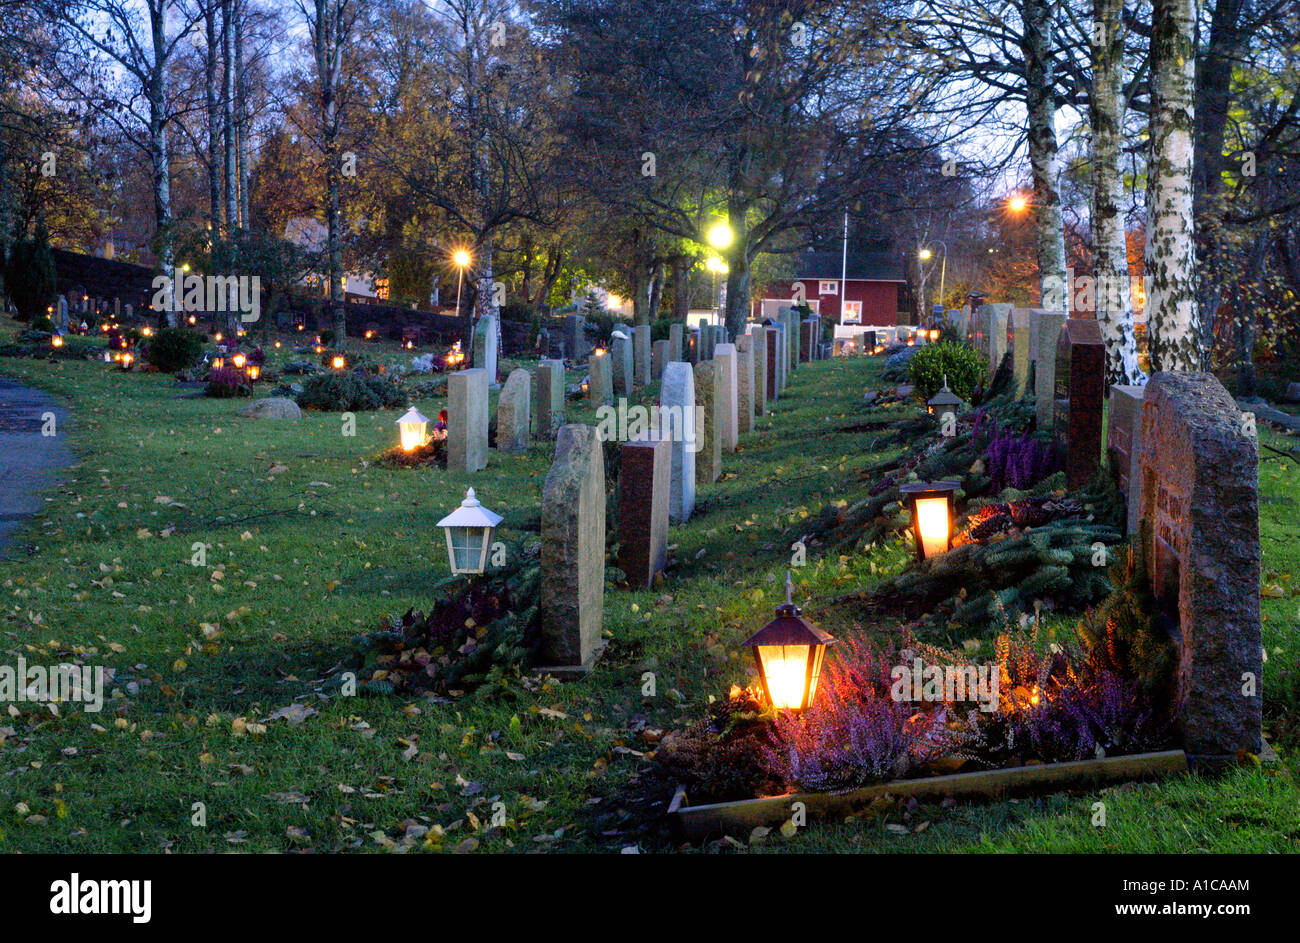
1198	461
1080	386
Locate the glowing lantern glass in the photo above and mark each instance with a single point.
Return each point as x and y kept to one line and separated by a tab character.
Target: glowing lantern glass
254	372
932	515
469	531
218	363
127	359
56	340
217	337
338	363
238	361
411	429
789	652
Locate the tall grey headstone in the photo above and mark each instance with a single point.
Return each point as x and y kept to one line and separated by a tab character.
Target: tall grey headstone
549	398
641	354
1045	330
621	350
467	421
724	355
708	402
677	424
600	382
514	411
759	342
658	357
744	383
573	549
675	342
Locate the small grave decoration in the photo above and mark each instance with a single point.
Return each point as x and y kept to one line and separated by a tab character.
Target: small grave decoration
896	710
480	627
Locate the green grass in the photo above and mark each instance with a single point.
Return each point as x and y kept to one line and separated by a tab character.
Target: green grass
313	554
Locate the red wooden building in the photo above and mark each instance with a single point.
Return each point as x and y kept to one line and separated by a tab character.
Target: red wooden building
870	292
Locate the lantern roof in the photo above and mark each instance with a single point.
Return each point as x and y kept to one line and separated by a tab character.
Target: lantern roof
471	514
945	397
414	415
928	487
789	627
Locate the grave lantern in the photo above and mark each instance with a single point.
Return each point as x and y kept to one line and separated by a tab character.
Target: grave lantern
127	358
217	337
337	362
932	515
238	360
945	401
218	363
789	651
56	340
193	320
411	429
254	372
469	534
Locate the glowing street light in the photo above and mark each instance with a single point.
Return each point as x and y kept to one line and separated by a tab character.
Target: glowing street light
1018	203
462	259
717	266
720	235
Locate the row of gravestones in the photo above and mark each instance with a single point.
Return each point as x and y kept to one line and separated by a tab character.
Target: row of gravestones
1185	459
78	303
705	406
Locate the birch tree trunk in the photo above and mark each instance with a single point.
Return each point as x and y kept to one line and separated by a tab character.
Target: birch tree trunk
326	21
1109	245
1173	313
228	115
1040	103
159	155
241	118
214	122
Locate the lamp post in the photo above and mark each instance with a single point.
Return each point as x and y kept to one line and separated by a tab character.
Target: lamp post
469	534
932	515
789	652
717	267
925	255
462	259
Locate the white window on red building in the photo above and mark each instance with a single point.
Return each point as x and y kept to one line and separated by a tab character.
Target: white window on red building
828	288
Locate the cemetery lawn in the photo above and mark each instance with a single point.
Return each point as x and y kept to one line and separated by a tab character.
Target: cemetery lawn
309	546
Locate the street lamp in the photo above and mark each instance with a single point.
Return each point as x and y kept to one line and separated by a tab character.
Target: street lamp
462	259
717	267
925	255
720	235
1017	203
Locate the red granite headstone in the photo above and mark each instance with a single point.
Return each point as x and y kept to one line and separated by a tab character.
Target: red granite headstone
1198	463
645	477
1080	388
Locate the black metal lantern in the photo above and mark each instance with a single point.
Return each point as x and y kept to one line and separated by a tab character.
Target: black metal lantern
932	515
789	651
945	401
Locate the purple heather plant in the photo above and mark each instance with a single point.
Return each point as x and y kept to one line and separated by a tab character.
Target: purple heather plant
855	733
1018	461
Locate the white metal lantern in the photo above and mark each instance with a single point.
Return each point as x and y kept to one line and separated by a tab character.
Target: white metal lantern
411	429
469	534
